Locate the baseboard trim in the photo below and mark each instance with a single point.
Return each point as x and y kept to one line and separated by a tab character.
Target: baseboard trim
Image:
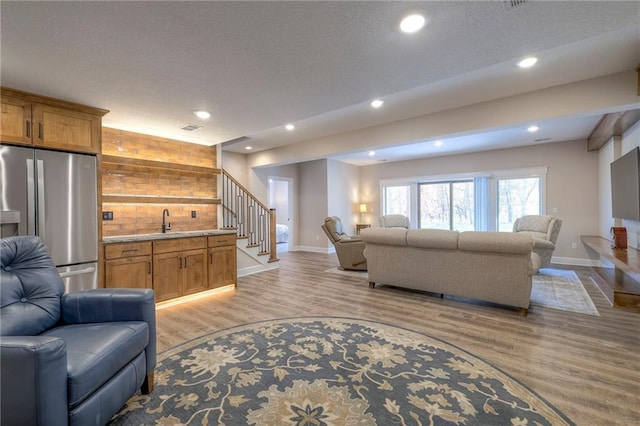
250	270
313	249
576	261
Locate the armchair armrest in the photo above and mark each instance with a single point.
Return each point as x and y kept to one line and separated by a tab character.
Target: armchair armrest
33	380
108	305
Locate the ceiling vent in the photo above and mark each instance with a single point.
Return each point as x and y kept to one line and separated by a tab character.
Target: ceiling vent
191	127
510	4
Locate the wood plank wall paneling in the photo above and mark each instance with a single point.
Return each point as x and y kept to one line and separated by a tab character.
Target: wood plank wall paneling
118	180
121	143
145	180
133	219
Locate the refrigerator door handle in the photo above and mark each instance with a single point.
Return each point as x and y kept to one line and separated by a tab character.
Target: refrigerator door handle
31	199
77	272
42	232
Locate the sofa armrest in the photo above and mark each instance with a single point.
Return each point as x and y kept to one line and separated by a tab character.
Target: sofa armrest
540	244
33	380
108	305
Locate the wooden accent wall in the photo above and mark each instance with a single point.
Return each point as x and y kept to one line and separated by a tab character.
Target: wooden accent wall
174	175
121	143
138	218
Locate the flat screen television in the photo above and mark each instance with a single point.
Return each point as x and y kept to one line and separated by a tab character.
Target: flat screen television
625	186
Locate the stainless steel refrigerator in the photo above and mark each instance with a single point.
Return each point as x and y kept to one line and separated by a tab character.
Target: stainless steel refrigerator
53	195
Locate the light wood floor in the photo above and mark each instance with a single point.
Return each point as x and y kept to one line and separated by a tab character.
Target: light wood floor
587	366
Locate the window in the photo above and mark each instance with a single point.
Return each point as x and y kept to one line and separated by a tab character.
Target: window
396	200
447	205
517	197
480	201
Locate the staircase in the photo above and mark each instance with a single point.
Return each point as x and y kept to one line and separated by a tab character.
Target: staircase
255	225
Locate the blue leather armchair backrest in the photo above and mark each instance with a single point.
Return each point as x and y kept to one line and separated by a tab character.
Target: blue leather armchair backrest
30	287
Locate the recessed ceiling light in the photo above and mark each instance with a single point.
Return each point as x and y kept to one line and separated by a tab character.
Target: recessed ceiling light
372	153
248	148
438	143
528	62
412	23
202	114
289	127
377	103
533	129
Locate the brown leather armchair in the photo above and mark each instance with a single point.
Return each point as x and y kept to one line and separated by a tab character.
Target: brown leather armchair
350	250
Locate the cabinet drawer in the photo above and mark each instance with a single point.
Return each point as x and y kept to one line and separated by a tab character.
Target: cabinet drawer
222	240
179	244
116	251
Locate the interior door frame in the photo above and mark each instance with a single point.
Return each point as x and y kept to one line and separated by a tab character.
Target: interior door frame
291	204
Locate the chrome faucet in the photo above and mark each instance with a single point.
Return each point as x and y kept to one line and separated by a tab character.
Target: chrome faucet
165	228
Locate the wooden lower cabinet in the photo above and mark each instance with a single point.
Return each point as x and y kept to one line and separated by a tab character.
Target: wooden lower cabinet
223	264
178	273
128	265
223	268
172	267
129	272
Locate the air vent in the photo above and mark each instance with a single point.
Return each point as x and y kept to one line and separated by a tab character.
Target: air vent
510	4
191	127
542	140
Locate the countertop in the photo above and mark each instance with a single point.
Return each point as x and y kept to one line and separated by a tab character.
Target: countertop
166	236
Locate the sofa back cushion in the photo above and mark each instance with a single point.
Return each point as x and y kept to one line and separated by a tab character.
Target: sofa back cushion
533	223
31	287
433	238
495	242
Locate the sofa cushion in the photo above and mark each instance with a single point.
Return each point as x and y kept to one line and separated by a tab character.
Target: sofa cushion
97	351
433	238
31	287
495	242
389	236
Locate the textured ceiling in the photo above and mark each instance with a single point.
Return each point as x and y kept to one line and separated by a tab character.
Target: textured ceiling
258	65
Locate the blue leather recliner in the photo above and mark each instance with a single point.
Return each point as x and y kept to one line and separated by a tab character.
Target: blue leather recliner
68	358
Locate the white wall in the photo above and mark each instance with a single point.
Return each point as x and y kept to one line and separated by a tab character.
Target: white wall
572	183
343	181
236	166
630	140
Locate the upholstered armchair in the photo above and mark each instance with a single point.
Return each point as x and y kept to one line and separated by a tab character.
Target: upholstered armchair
394	221
544	230
68	359
350	250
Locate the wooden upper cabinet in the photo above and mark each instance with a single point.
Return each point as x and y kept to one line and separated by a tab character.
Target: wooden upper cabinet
66	129
16	121
29	119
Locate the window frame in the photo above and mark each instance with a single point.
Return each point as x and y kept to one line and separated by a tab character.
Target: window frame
485	191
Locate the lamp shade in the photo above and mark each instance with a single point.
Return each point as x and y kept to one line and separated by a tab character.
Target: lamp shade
363	208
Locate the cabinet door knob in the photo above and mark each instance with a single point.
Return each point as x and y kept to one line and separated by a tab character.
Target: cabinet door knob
28	129
149	265
185	262
180	263
40	131
211	258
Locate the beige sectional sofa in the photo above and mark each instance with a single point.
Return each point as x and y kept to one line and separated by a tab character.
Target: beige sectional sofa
490	266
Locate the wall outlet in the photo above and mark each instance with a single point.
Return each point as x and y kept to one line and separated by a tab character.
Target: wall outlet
107	215
574	245
193	214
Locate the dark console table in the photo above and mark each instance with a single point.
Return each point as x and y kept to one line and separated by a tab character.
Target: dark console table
621	284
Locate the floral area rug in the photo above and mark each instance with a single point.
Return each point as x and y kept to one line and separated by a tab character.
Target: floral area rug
561	289
330	371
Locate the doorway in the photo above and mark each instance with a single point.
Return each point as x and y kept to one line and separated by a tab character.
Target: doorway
281	199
